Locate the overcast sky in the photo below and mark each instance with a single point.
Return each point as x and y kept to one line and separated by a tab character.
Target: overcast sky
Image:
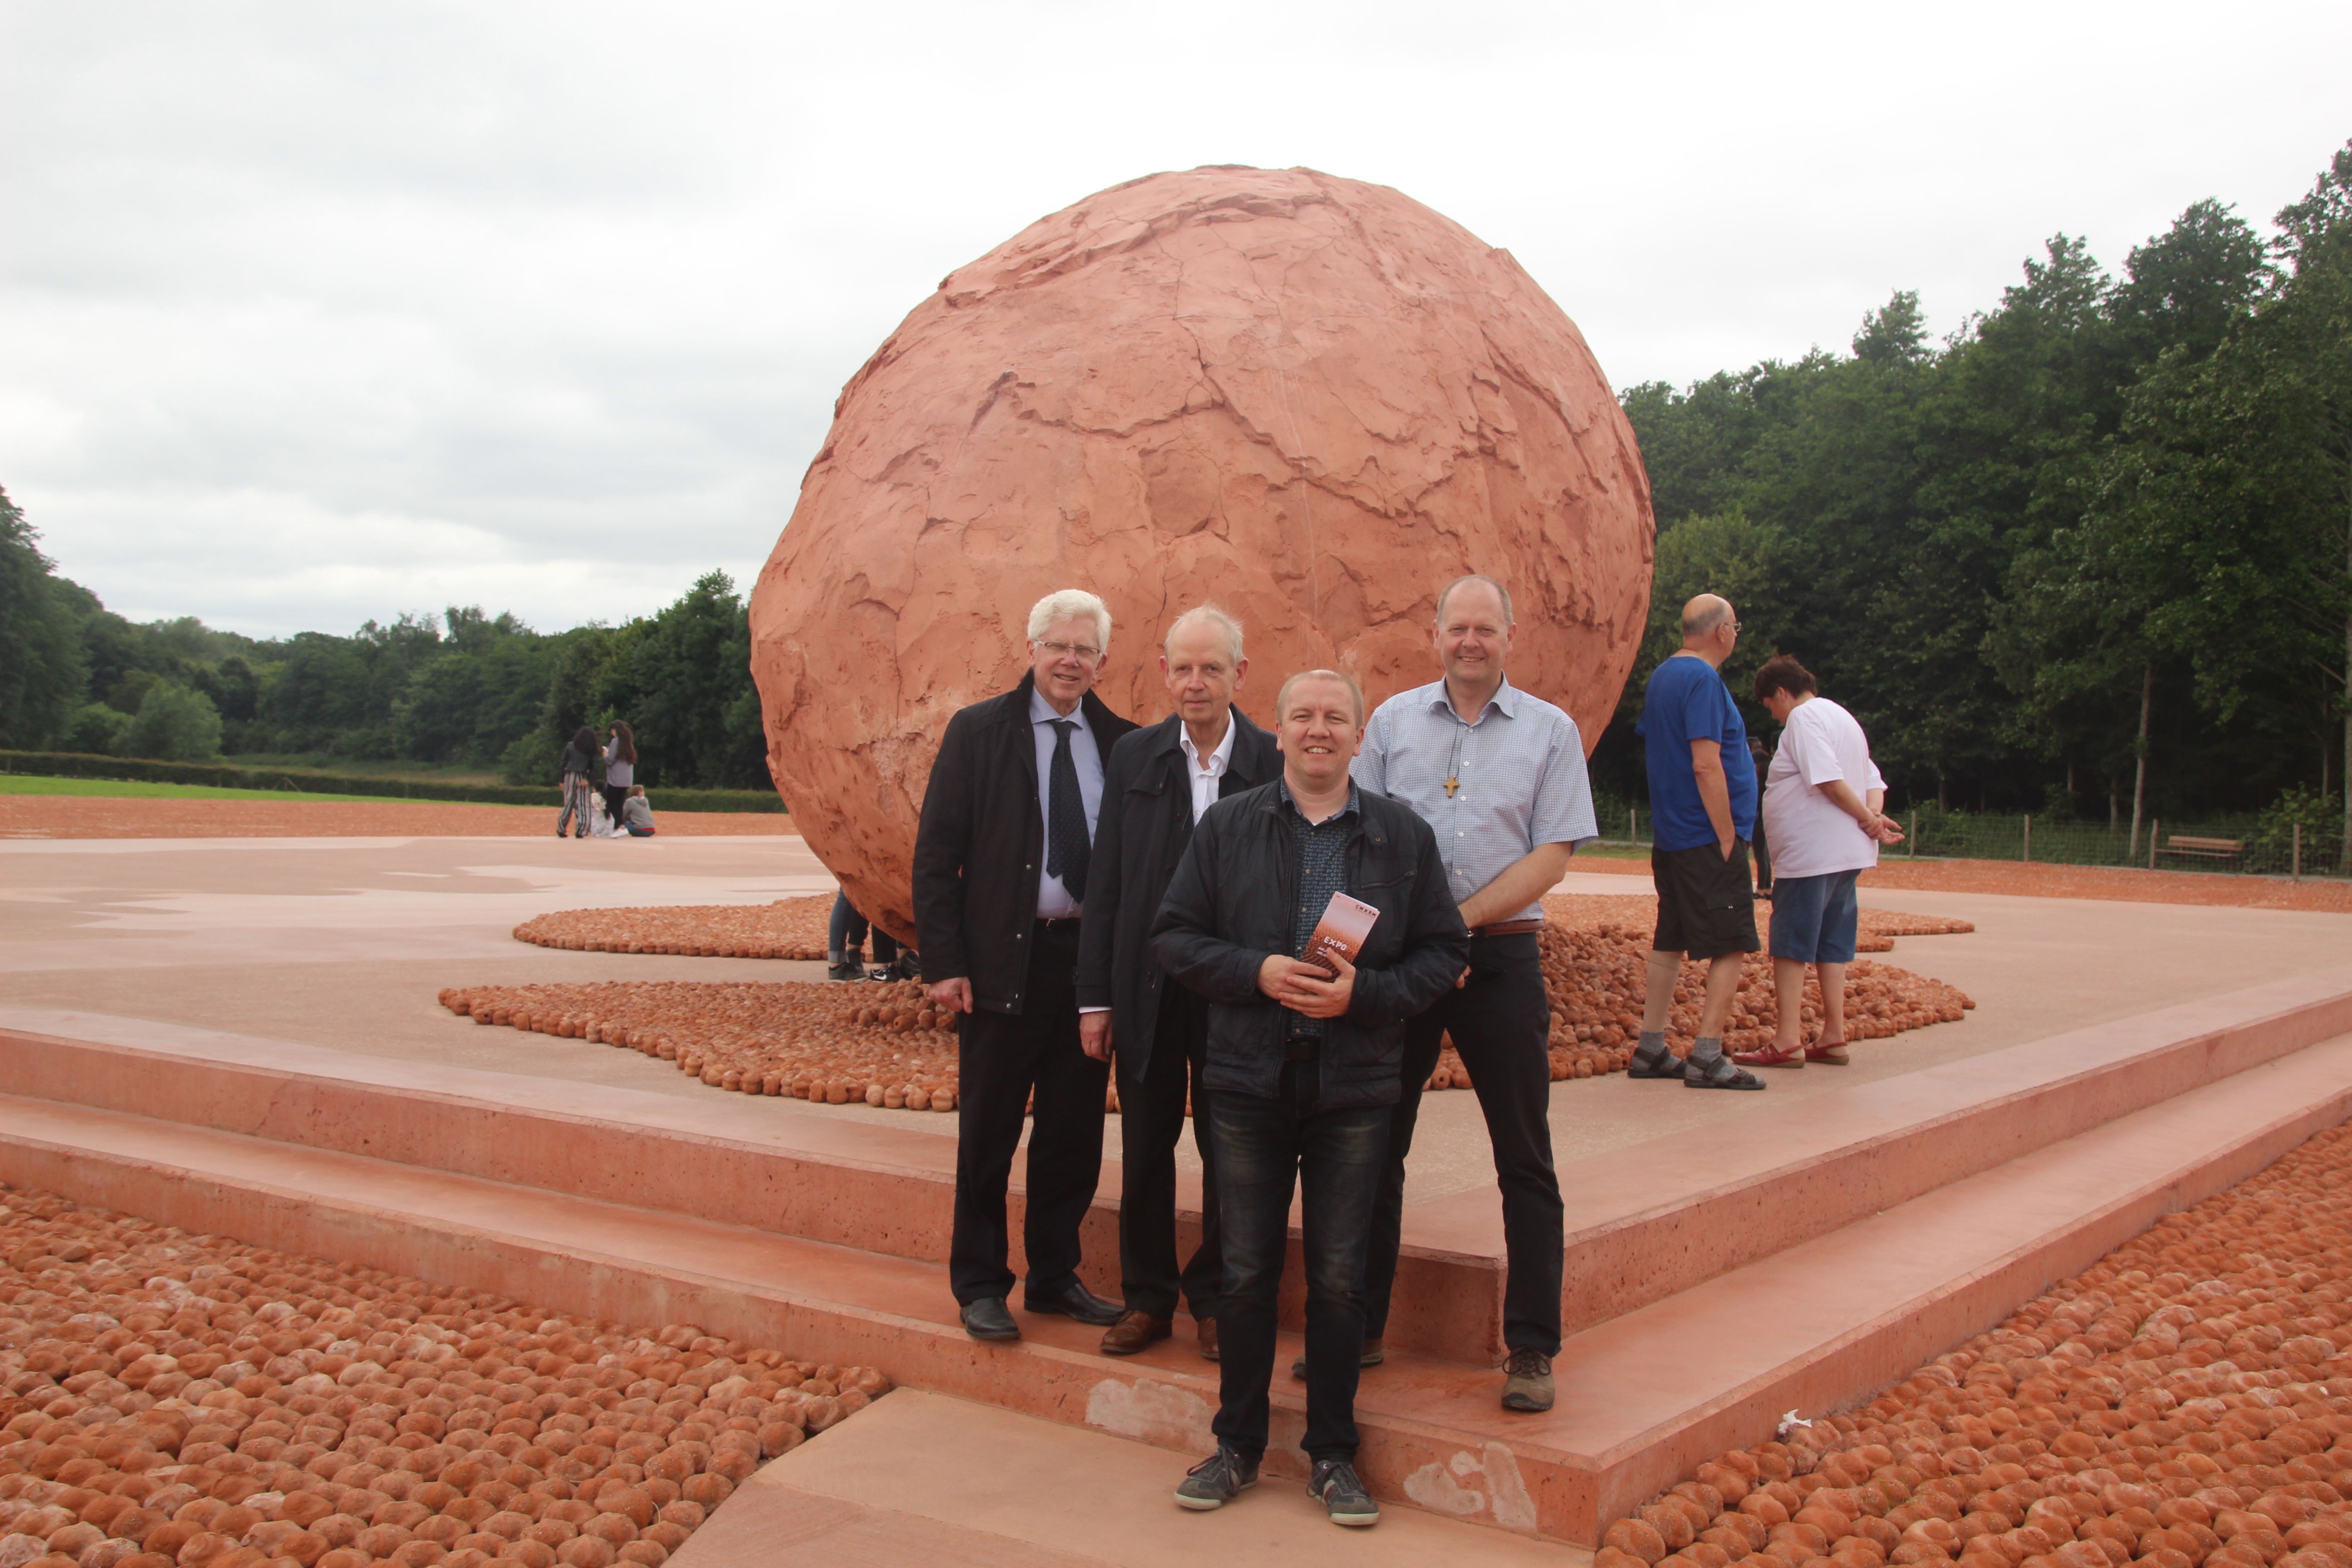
319	312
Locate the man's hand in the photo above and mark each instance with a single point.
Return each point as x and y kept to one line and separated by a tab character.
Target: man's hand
1307	992
1886	829
1094	1034
1274	976
953	995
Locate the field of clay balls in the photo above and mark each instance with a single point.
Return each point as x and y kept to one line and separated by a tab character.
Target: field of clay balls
2185	1403
884	1045
178	1401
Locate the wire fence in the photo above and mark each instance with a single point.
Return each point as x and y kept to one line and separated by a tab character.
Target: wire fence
2245	846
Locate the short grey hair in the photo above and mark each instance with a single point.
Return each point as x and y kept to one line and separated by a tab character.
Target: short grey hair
1717	613
1213	616
1501	592
1068	604
1282	698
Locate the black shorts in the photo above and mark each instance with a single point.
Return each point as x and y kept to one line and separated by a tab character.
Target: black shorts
1706	904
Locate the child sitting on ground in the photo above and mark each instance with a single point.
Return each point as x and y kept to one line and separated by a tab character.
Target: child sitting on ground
636	815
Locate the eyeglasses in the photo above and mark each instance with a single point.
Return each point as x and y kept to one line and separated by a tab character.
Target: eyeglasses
1081	651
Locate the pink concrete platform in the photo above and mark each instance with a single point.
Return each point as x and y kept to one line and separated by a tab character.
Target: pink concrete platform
1643	1396
1645	1223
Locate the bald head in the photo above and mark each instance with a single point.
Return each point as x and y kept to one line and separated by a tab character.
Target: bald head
1705	613
1710	629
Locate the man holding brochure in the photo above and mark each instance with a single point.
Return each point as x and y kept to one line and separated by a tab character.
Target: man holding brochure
1267	919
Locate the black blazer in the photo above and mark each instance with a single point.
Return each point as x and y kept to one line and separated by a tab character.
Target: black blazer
980	848
1146	822
1230	905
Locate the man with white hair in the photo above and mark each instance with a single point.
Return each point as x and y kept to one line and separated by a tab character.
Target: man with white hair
1002	857
1160	781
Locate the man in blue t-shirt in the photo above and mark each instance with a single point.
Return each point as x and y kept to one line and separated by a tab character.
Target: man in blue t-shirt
1703	812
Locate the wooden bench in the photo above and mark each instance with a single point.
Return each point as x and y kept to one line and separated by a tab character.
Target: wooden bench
2205	849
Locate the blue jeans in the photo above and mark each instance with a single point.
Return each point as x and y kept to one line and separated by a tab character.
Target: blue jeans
845	933
1334	1158
1815	919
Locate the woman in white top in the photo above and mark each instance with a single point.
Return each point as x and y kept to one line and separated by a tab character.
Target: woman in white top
620	769
1821	814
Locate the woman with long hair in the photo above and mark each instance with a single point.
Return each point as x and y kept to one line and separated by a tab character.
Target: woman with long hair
578	776
620	769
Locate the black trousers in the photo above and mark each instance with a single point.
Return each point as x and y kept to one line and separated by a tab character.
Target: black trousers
1152	1121
1332	1160
1501	1025
1005	1058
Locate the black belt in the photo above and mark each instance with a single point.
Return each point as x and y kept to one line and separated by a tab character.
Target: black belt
1057	924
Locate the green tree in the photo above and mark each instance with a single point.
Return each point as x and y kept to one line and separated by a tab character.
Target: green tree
174	724
42	673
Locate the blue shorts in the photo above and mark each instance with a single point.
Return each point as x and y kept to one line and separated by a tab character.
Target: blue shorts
1813	918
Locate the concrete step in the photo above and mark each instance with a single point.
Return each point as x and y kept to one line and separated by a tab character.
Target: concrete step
921	1480
1643	1397
1642	1226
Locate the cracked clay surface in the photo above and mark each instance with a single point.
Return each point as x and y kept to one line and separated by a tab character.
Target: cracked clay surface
1310	400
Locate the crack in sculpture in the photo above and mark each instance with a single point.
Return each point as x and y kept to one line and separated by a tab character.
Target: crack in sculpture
1308	399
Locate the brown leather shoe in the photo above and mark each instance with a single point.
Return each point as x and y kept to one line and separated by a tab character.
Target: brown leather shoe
1132	1333
1208	1327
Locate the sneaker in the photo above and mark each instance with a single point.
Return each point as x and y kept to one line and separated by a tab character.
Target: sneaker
1527	1381
1216	1480
1335	1486
845	972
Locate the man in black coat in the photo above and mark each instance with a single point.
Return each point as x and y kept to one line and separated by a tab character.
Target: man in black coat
1302	1070
1160	781
1001	866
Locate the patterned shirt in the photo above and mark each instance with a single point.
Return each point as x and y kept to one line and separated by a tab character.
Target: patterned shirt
1517	774
1322	871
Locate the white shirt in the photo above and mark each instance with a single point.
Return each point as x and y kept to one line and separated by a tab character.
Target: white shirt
1054	901
1204	772
1808	833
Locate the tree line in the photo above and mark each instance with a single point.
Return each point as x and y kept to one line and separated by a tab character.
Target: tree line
469	688
2090	556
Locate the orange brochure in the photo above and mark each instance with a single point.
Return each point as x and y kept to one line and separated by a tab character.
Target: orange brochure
1345	924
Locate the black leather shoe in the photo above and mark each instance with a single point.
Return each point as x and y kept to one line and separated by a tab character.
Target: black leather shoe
988	1318
1075	1300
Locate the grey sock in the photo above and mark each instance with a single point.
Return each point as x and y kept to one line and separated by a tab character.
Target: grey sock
1651	1046
1706	1051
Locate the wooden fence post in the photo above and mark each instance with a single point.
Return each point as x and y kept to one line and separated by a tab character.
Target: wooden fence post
2294	872
2155	827
2029	837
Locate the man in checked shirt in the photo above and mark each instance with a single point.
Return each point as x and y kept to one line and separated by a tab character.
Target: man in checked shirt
1499	775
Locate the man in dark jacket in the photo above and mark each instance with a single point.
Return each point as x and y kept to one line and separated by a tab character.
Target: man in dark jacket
1302	1070
1001	865
1159	781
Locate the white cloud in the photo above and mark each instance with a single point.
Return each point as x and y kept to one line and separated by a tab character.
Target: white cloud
318	313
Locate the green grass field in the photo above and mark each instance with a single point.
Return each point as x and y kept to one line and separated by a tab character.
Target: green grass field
25	784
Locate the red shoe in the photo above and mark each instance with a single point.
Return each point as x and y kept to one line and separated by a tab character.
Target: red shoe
1829	1053
1771	1057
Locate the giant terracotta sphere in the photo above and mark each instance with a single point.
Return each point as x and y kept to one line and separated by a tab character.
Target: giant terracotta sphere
1310	400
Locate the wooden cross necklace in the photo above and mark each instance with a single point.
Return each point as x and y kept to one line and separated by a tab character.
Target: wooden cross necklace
1454	769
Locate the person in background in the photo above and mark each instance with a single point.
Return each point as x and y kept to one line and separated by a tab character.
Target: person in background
1703	809
636	817
1822	803
1760	758
620	769
1157	785
845	940
1498	775
579	770
1002	853
1303	1063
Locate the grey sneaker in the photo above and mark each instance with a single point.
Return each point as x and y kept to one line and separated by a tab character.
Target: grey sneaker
1527	1381
1334	1484
1216	1480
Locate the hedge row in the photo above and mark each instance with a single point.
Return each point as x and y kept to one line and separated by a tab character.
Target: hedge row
74	766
